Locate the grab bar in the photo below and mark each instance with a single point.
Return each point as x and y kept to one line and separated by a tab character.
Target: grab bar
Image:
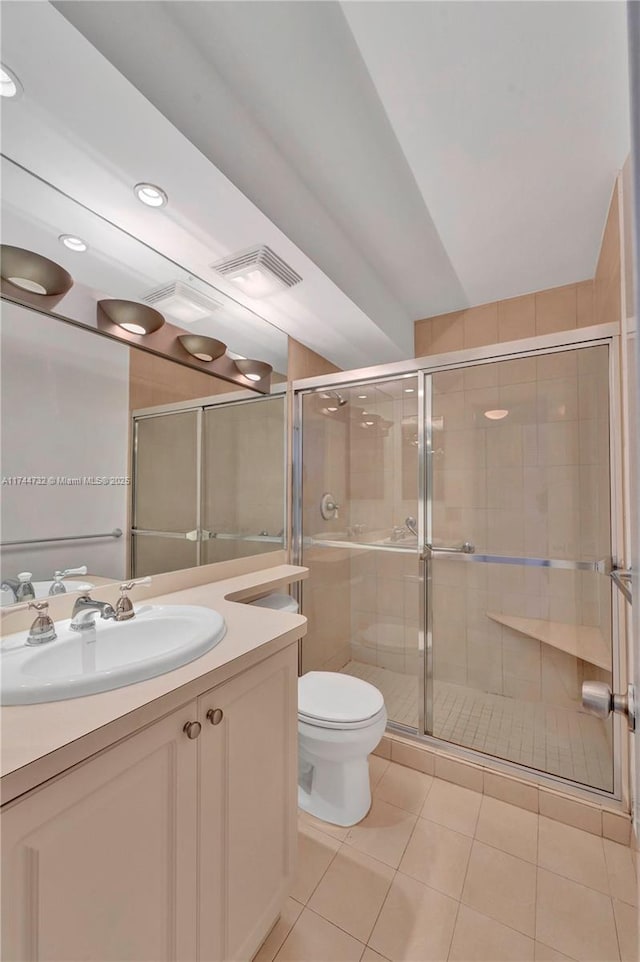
622	580
603	566
116	533
465	548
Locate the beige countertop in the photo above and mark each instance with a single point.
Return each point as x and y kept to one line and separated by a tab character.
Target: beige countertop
40	741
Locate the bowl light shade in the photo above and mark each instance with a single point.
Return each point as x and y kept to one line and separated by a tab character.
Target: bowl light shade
132	317
254	370
33	272
204	348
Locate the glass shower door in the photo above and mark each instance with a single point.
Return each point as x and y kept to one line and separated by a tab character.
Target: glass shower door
518	539
358	510
166	505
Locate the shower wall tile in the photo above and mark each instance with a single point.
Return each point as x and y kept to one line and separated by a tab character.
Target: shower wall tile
517	318
556	309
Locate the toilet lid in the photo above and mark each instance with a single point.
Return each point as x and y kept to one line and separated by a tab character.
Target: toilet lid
334	697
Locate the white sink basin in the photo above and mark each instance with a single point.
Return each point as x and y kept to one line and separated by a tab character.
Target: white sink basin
159	639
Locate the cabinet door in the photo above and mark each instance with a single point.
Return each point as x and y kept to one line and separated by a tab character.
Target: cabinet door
248	804
100	864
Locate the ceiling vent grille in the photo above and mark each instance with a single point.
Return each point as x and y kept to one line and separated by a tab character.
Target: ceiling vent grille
182	302
258	271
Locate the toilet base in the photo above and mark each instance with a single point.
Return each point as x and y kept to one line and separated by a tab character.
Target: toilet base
336	793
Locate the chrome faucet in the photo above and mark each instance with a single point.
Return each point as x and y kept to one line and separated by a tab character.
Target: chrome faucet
85	610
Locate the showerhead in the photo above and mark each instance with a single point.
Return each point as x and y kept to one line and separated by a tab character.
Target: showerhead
341	400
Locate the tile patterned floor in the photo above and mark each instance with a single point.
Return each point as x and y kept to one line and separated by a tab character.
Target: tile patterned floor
555	740
437	872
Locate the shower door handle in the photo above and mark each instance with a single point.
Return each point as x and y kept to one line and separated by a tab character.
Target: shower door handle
429	549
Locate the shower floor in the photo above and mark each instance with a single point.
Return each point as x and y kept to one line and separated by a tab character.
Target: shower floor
559	741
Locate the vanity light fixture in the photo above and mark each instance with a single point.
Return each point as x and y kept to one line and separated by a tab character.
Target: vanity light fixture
496	415
253	370
10	86
204	348
257	272
151	195
131	316
32	272
73	243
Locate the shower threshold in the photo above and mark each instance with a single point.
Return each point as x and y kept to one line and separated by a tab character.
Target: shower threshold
558	741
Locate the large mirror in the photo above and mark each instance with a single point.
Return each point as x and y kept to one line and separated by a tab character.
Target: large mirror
116	462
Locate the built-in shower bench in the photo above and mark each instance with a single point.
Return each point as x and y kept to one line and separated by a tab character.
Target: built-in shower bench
581	641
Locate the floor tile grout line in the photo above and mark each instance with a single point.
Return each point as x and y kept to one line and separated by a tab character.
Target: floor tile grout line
464	882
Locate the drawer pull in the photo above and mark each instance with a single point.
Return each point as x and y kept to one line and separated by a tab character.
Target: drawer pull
192	729
215	715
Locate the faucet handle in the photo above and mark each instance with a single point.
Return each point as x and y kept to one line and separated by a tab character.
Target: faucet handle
124	606
43	628
82	570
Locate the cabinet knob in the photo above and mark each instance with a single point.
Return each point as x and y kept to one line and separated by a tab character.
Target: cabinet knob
215	715
192	729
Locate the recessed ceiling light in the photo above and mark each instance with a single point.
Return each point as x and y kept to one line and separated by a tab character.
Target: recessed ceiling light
73	243
362	397
150	195
332	410
10	86
496	415
409	390
369	423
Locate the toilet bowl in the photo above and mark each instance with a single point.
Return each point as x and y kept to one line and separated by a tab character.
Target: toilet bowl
341	719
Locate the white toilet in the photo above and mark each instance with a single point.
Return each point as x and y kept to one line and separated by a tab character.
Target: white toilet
341	719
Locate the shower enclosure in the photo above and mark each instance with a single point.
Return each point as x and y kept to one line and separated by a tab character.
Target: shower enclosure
208	482
456	515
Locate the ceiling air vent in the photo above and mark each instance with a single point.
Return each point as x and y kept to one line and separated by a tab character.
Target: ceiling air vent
258	272
181	302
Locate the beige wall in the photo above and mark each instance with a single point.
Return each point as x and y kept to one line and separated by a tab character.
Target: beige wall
156	380
608	279
544	312
303	362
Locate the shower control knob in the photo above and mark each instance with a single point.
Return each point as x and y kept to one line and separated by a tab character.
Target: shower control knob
215	715
192	729
599	700
329	507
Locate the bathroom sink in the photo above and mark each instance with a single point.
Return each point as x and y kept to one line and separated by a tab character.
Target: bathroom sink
159	639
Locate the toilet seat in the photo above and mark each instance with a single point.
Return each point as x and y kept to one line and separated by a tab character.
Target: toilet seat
335	701
341	726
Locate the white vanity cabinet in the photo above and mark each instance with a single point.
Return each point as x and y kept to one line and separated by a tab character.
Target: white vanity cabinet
165	846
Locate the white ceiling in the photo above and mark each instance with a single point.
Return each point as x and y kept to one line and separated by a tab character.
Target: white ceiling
406	158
